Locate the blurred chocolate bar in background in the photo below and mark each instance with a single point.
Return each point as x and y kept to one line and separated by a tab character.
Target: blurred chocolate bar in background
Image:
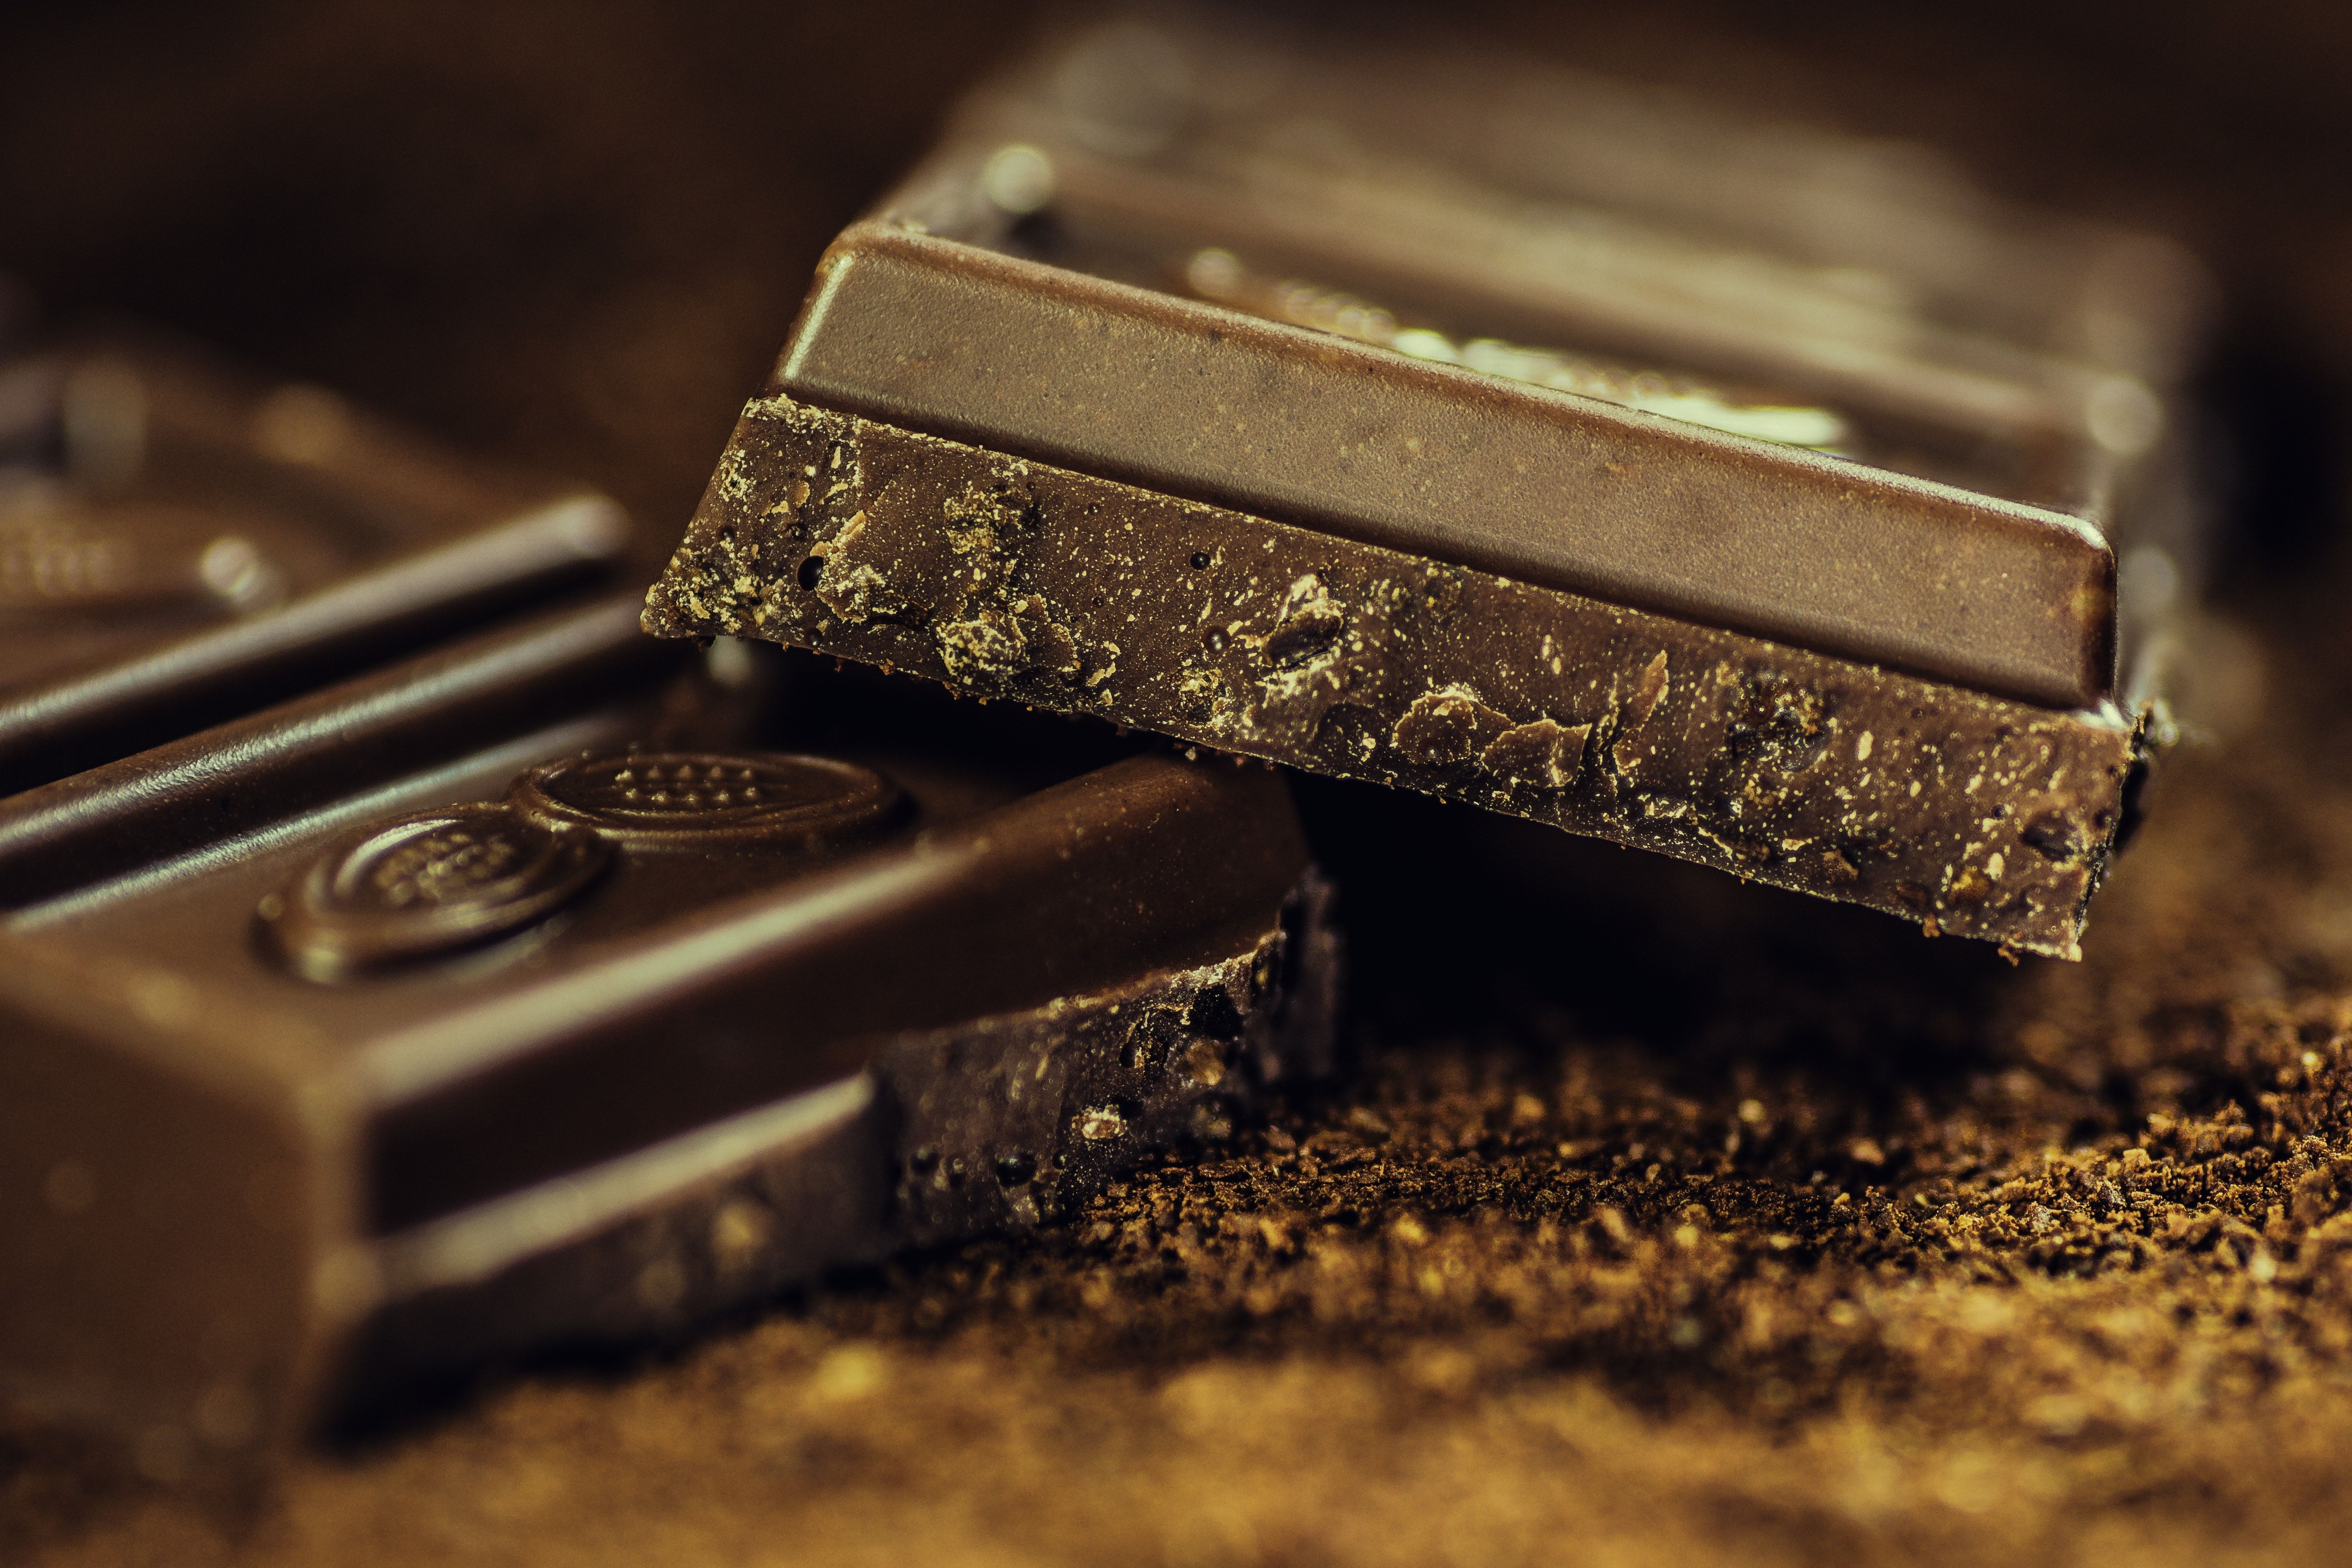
1749	493
561	987
179	543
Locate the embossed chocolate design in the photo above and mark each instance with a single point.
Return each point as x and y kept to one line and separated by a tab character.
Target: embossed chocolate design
711	1077
432	884
425	885
651	800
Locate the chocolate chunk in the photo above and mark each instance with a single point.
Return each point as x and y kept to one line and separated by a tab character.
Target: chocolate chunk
387	1031
1631	508
1773	763
178	544
924	332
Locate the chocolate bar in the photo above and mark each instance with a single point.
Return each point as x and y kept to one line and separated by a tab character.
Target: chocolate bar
549	991
1279	400
179	545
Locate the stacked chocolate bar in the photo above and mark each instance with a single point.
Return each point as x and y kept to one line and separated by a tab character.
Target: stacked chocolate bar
1741	493
411	964
555	985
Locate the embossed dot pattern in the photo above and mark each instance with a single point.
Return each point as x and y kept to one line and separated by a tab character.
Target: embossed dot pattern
444	866
425	885
683	788
661	796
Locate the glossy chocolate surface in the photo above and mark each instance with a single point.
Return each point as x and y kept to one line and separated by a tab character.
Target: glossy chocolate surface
1473	470
1337	285
1669	185
179	544
471	1038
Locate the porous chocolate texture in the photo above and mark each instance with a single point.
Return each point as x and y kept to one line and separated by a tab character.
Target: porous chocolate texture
1970	813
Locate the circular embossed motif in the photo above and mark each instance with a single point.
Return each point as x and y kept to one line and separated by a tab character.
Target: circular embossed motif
654	800
428	884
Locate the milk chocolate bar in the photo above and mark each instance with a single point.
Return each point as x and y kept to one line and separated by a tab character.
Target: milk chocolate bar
179	544
1178	391
536	993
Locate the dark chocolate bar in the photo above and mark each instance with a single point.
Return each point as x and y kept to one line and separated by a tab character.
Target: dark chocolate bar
178	545
1330	439
543	991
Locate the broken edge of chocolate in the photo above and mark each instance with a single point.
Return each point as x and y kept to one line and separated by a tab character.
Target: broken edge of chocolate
1970	814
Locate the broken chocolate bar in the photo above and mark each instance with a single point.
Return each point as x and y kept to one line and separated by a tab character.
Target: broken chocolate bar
178	546
1246	392
536	993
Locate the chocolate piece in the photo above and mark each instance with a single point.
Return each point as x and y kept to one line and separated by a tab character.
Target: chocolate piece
1140	400
1445	463
387	1031
1987	816
177	547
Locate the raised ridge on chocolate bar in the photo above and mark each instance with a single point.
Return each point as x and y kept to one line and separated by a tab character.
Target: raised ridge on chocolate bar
1199	93
555	988
179	543
1416	193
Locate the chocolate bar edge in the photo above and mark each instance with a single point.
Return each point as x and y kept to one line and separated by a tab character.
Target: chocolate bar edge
271	1236
991	575
1530	483
920	1150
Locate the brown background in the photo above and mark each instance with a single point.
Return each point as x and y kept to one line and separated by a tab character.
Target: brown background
1519	1291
